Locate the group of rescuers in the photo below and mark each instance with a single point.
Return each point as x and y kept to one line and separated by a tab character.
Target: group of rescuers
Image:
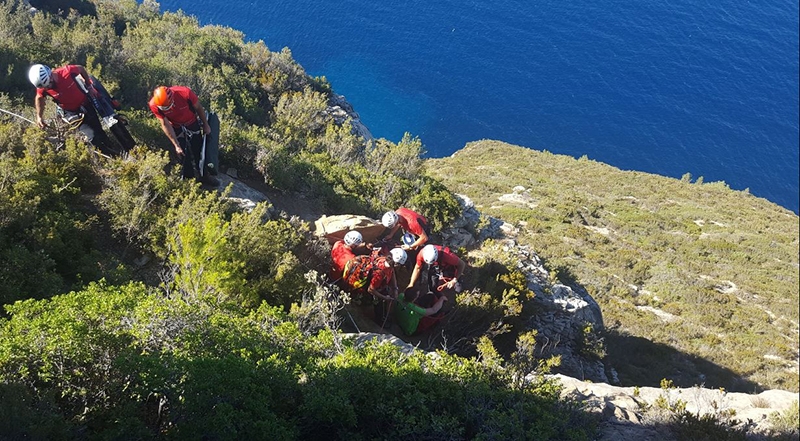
183	119
388	254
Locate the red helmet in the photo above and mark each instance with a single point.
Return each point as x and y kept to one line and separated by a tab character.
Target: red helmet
162	98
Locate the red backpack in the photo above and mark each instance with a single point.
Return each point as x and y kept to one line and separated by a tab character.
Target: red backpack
359	270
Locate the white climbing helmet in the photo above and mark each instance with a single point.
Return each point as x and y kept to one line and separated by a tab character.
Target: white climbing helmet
430	254
40	76
389	219
353	238
399	255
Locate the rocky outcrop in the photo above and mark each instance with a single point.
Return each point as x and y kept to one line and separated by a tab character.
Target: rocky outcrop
244	196
472	227
562	312
341	111
628	413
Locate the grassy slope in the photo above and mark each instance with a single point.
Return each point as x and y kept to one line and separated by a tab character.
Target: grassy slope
697	282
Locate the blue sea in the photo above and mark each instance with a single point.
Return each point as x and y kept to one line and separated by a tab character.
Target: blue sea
708	87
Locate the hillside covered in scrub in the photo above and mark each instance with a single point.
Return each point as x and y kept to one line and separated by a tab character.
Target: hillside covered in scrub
137	305
697	283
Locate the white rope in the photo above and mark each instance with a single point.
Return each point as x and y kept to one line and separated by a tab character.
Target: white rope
18	116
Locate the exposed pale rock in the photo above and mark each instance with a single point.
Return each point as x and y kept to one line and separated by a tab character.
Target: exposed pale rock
240	193
458	237
509	230
469	217
663	315
626	415
581	306
518	199
340	109
334	228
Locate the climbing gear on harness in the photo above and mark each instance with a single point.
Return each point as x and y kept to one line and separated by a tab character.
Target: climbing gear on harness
73	119
357	271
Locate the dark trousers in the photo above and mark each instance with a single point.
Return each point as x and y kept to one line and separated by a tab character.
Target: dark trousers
93	129
191	139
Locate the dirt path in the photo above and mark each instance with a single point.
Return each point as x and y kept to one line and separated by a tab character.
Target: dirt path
299	204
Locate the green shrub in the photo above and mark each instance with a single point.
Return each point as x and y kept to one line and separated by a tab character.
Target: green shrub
403	159
438	204
786	423
47	229
115	361
268	251
300	120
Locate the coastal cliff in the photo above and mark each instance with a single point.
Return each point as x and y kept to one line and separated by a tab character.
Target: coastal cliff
138	304
697	282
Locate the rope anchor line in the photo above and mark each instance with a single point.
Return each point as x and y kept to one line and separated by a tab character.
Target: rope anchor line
17	115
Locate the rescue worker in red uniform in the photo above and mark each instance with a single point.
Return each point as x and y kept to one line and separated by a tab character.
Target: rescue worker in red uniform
444	268
62	86
183	120
344	250
411	222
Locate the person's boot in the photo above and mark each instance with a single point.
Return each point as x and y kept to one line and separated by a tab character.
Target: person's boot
209	180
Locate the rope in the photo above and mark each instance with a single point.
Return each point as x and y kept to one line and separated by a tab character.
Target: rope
386	316
18	116
445	281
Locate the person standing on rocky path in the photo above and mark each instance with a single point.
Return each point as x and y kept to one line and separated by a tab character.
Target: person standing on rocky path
183	120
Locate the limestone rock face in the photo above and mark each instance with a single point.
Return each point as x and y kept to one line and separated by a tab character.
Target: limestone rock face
562	311
472	227
334	228
562	314
629	413
341	110
243	195
580	305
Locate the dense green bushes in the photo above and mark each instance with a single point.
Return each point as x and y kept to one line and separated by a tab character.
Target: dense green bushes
47	242
119	361
208	247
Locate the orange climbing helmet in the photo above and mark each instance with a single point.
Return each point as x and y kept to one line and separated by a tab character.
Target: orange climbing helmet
162	98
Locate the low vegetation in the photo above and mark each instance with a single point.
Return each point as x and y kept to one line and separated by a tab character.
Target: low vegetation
697	283
229	332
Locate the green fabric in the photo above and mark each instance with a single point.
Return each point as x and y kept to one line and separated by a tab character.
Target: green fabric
408	315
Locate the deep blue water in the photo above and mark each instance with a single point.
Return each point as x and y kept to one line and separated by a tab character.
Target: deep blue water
708	87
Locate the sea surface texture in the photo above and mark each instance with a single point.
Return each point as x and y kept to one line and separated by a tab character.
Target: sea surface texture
708	87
